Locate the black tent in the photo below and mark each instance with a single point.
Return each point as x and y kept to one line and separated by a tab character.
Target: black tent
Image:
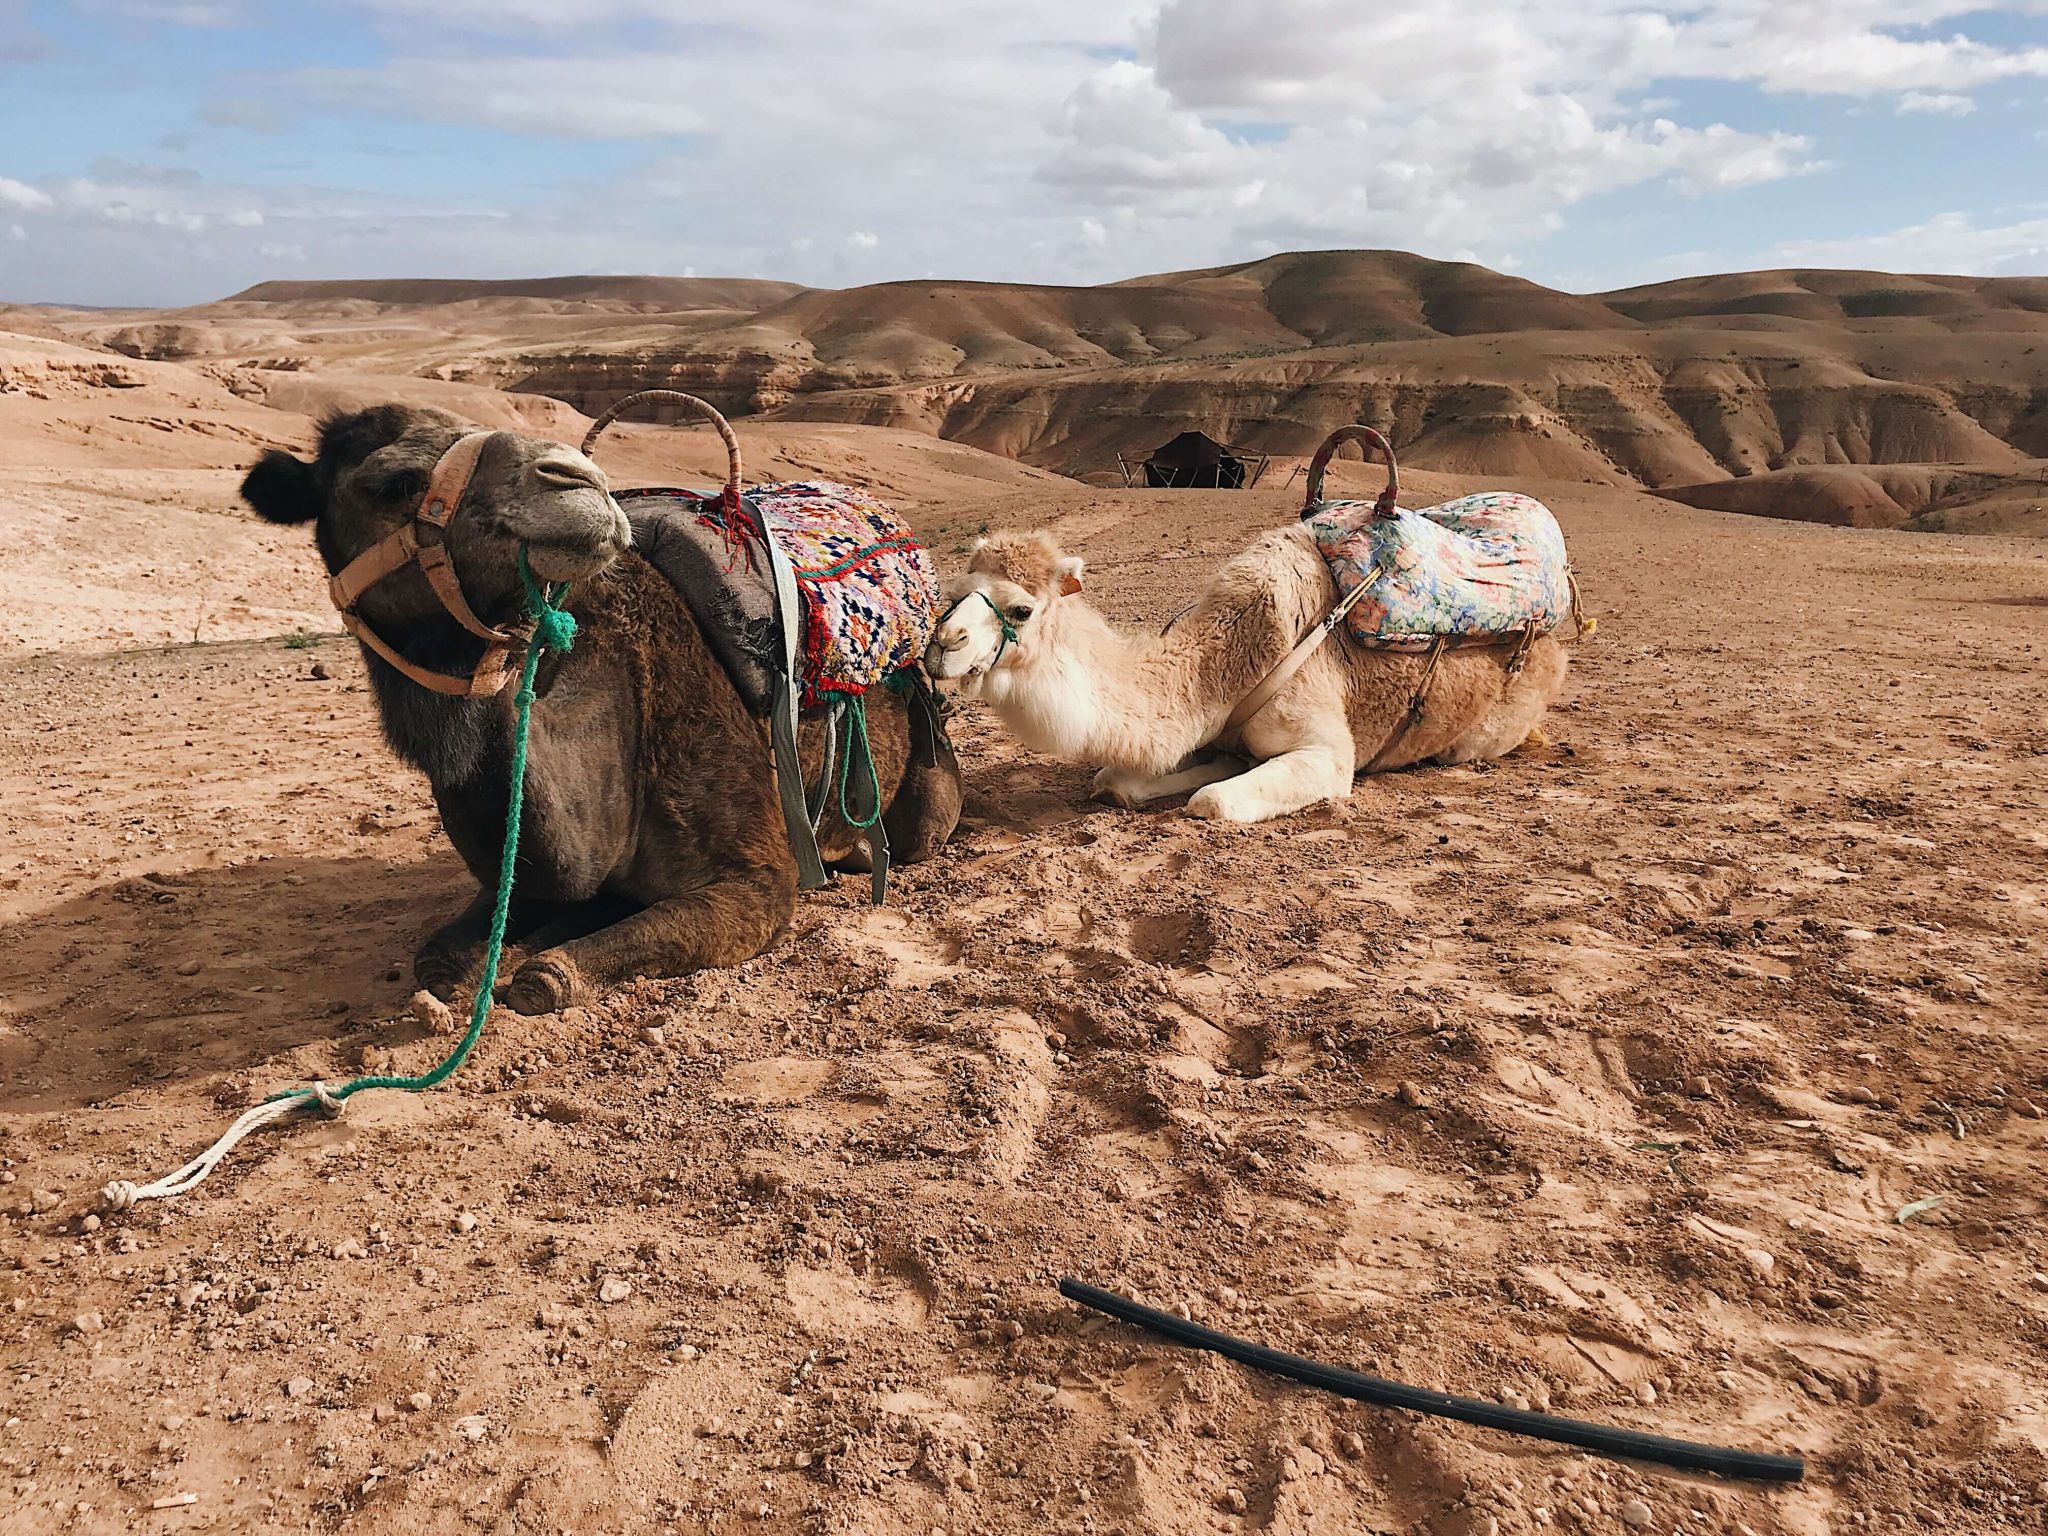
1195	459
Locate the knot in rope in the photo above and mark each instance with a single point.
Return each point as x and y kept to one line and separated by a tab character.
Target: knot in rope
553	626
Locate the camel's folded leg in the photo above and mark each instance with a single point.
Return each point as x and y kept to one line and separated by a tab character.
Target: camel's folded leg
1290	782
448	961
1131	790
721	924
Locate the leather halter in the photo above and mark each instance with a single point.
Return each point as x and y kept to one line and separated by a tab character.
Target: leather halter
411	545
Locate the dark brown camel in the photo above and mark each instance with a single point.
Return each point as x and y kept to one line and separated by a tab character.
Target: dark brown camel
652	842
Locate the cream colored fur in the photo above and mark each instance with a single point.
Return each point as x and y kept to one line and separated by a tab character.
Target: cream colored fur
1074	686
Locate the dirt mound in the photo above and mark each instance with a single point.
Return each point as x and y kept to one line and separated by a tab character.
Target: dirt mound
1927	498
1838	494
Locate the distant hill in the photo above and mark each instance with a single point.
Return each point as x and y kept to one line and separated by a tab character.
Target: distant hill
641	292
1687	384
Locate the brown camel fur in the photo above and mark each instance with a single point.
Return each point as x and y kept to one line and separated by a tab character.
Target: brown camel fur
652	842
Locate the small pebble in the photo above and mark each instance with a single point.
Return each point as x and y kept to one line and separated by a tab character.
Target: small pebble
90	1224
614	1290
420	1402
474	1427
175	1501
1861	1095
318	672
1760	1261
1635	1513
430	1013
1231	1501
1646	1394
1701	1088
1515	1400
654	1034
349	1248
1412	1095
1353	1446
464	1222
1829	1299
188	968
88	1322
299	1386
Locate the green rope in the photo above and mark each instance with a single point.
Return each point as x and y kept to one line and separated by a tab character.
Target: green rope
554	629
857	723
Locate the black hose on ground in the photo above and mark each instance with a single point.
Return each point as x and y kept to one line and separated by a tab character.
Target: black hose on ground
1600	1439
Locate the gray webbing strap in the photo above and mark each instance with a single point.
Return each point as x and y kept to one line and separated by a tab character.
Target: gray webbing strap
789	776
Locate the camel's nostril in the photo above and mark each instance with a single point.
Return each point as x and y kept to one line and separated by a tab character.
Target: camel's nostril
569	474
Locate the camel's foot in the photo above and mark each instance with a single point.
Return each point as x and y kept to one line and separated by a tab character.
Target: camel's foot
1535	741
447	963
547	983
1129	791
1279	786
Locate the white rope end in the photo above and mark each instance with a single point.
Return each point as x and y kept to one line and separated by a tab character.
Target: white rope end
122	1194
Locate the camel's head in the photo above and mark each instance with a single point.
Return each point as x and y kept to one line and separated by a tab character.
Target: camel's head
373	467
996	609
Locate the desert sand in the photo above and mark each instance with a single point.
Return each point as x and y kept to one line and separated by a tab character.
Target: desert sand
1688	1073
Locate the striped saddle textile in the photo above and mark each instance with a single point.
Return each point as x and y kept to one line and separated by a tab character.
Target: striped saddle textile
867	591
1481	568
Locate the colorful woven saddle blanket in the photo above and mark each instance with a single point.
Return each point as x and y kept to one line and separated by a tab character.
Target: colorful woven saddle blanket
1480	568
867	592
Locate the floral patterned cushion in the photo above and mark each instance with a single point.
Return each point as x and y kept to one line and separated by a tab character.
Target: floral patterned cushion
1478	568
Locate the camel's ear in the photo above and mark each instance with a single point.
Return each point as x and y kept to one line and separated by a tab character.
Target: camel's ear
1068	574
282	489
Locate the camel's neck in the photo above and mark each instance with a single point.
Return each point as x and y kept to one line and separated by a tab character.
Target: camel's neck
449	739
1093	693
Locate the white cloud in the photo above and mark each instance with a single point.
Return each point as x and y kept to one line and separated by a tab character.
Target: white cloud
1074	140
1948	242
1935	103
592	96
1125	135
16	232
19	194
274	251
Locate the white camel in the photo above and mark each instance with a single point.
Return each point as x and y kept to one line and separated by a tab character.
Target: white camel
1019	635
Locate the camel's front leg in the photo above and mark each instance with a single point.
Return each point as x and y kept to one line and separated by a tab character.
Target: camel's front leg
721	924
1316	771
448	962
1119	787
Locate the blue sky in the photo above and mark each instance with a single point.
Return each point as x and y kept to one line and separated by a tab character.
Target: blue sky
158	152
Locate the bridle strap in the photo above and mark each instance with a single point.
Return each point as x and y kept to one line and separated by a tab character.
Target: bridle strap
1002	618
493	671
404	546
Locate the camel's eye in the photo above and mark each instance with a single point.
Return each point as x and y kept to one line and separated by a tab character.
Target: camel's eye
1020	613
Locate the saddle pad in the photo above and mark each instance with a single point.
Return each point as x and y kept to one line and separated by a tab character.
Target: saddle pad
1479	568
869	593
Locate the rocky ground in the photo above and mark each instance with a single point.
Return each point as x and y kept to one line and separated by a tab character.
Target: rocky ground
1688	1074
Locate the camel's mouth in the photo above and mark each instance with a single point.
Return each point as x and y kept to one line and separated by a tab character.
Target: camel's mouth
568	562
